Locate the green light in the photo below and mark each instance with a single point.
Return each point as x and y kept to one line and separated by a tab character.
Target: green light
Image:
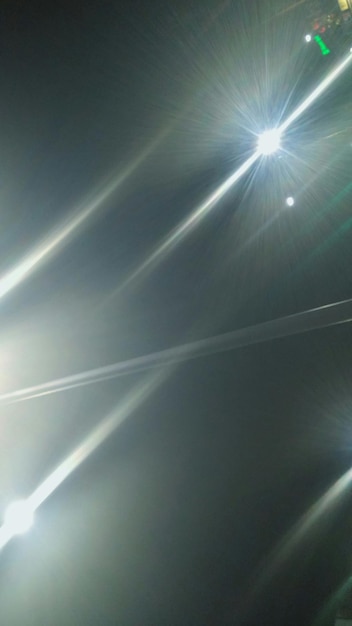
323	47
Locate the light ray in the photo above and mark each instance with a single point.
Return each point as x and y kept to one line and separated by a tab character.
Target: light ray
323	85
305	321
62	234
289	8
316	318
185	227
97	436
300	532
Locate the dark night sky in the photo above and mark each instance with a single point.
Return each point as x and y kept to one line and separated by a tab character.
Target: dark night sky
175	518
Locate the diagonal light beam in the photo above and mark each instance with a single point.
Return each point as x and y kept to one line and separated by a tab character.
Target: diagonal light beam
321	317
61	235
325	83
97	436
299	533
70	227
187	225
105	429
305	321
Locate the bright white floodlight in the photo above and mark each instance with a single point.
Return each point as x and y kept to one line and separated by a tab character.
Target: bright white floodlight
269	141
19	517
290	201
308	38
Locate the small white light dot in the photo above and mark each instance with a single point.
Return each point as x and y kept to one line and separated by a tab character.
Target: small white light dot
290	201
308	38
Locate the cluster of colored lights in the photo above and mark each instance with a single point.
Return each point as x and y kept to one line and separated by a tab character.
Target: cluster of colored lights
322	45
320	26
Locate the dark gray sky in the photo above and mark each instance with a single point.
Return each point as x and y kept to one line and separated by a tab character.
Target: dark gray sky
174	519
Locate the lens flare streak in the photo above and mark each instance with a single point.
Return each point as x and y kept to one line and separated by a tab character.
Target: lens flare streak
185	227
308	320
97	436
62	234
305	321
300	532
190	222
325	83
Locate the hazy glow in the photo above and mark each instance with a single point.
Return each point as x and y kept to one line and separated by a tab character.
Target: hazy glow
308	38
269	141
19	517
290	201
92	442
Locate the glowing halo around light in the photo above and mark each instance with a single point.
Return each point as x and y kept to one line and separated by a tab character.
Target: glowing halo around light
269	141
290	201
19	517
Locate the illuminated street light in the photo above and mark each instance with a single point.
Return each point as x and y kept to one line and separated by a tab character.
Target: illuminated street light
269	141
19	517
290	201
308	38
